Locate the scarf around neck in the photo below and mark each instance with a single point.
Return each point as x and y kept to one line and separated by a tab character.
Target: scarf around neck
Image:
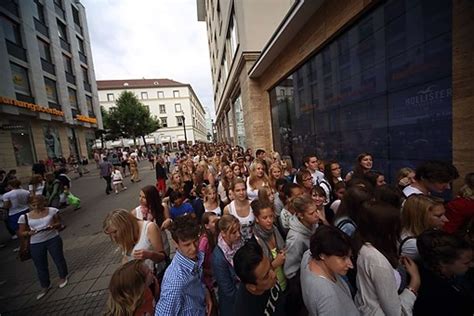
266	235
228	251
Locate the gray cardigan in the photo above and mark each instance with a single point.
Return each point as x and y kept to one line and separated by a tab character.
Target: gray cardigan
321	296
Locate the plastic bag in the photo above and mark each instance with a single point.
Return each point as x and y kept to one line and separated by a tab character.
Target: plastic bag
73	200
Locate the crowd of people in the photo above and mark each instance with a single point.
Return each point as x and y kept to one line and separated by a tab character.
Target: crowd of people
227	232
255	236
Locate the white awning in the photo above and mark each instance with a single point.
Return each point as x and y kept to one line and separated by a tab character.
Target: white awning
165	139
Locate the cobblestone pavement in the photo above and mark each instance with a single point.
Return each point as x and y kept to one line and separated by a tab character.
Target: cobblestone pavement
90	255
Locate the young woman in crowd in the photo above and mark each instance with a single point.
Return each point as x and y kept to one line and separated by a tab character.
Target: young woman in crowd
288	170
207	243
138	239
236	169
364	163
134	168
348	212
130	290
461	210
176	183
291	190
444	259
305	180
332	175
257	179
319	198
211	201
269	238
405	177
36	185
325	292
151	209
275	172
224	185
240	208
302	226
41	226
186	171
207	175
375	178
378	280
228	242
420	212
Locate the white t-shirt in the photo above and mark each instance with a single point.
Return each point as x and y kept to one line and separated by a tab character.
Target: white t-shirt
39	188
18	199
409	190
117	176
41	223
246	223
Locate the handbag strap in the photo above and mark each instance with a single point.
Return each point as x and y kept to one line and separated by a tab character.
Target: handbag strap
26	221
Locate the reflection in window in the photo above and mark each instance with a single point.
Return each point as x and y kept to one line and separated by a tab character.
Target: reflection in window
368	95
52	141
22	143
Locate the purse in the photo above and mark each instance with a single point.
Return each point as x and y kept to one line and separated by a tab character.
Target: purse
24	253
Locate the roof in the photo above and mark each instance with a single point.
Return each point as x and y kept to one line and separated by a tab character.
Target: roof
137	83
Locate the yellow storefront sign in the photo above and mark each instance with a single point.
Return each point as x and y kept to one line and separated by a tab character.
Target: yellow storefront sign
30	106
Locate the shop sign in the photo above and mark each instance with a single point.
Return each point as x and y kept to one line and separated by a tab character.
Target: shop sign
30	106
86	119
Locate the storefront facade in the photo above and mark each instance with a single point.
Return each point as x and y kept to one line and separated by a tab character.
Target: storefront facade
385	77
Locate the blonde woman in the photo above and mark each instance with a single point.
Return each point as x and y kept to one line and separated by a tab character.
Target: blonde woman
420	212
129	290
257	179
224	185
207	174
275	172
134	168
211	200
138	239
288	170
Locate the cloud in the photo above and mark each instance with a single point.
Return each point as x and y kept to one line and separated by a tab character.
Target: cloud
151	39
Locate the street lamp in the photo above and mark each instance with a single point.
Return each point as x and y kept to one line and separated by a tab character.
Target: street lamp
184	127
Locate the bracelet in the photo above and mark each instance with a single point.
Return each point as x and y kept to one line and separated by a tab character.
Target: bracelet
412	290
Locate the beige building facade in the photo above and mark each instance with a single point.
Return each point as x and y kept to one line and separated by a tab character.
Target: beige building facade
173	103
237	32
48	96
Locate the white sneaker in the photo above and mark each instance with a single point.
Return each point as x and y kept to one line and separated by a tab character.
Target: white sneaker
61	285
14	237
16	249
43	293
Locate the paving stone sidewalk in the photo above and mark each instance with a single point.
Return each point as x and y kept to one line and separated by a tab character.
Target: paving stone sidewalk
90	255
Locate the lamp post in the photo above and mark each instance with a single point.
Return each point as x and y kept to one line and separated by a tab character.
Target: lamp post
184	127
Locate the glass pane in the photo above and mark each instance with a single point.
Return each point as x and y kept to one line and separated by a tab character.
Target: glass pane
52	141
51	90
22	144
20	79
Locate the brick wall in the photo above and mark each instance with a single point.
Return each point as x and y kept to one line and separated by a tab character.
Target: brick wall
463	87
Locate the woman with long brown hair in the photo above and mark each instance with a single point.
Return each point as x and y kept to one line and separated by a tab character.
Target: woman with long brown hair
224	185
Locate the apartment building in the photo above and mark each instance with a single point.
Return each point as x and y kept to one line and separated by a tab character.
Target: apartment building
48	96
175	104
237	32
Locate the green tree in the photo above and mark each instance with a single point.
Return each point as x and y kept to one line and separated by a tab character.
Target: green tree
130	119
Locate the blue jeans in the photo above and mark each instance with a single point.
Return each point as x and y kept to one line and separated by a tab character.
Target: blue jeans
39	254
12	222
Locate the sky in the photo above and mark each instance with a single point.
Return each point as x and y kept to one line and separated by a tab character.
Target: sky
134	39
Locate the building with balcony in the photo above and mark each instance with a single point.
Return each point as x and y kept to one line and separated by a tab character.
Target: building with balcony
237	32
175	105
48	96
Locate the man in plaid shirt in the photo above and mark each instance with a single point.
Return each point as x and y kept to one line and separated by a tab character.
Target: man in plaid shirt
182	290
